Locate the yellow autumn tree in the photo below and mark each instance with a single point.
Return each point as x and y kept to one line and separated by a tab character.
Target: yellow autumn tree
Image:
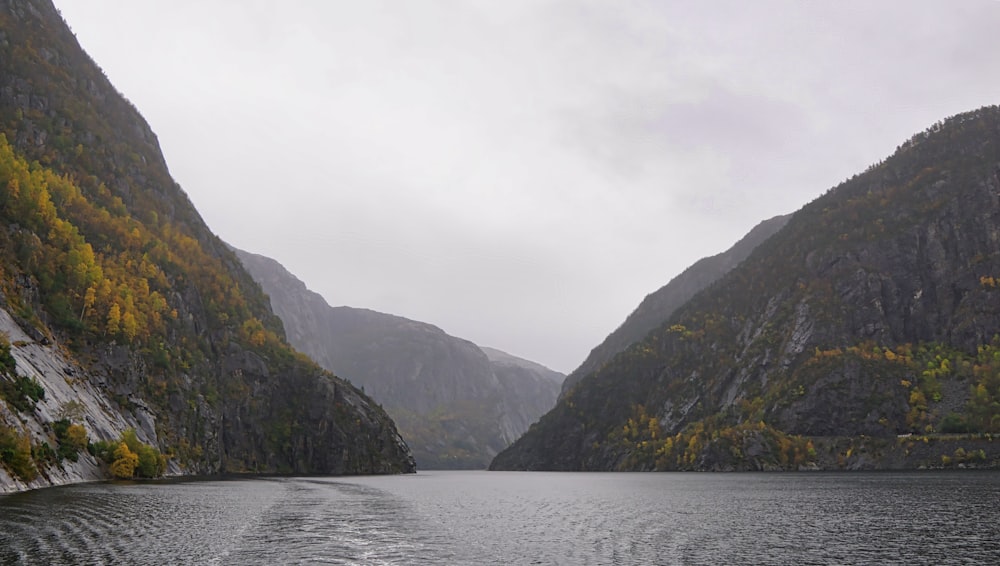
918	408
76	435
125	462
89	298
114	319
130	326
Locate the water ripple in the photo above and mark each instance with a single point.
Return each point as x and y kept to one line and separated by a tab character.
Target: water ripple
514	518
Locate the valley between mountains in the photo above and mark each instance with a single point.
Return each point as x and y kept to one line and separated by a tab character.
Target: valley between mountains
859	332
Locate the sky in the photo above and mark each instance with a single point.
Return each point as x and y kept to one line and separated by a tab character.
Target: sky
522	173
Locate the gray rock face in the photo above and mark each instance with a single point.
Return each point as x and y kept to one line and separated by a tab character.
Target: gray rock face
102	402
65	386
197	384
872	314
530	391
457	405
660	304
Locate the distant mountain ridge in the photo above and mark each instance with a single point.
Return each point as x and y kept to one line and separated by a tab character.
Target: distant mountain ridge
457	405
863	334
660	304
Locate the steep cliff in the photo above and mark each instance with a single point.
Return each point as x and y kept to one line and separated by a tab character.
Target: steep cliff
529	391
660	304
120	309
854	337
456	404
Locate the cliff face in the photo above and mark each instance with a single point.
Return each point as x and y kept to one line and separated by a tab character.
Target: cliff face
872	314
65	393
120	309
528	391
456	404
660	304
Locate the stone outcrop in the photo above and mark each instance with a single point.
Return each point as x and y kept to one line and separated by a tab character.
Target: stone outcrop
660	304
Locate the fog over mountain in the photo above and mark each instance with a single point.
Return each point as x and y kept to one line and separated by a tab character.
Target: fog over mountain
523	173
457	404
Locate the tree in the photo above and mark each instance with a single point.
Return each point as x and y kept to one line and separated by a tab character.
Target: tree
15	453
918	408
149	463
125	462
130	327
89	298
76	436
114	319
152	464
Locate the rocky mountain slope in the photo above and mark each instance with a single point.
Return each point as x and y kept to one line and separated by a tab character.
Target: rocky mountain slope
660	304
865	333
121	310
456	404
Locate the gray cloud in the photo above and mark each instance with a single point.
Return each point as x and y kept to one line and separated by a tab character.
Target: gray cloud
522	173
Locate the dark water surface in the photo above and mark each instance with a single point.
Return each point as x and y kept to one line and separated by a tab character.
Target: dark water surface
515	518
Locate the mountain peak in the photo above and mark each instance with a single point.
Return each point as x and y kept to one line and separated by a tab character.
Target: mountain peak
868	316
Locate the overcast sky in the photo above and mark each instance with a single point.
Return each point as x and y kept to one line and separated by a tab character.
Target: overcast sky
523	173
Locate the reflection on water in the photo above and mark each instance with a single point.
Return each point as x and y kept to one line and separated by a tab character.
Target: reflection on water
514	518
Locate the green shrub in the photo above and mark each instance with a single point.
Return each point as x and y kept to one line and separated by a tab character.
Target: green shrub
43	454
22	392
954	423
128	457
15	453
72	439
7	363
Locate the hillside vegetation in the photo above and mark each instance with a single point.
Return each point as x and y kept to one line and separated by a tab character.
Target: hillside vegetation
660	304
857	336
103	254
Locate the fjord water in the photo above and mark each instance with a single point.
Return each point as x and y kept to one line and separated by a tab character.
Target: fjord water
515	518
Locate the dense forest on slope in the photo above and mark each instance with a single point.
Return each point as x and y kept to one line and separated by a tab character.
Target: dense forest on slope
862	334
456	404
102	252
660	304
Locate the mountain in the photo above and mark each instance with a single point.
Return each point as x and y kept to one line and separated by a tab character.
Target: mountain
129	333
863	334
456	404
660	304
530	391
